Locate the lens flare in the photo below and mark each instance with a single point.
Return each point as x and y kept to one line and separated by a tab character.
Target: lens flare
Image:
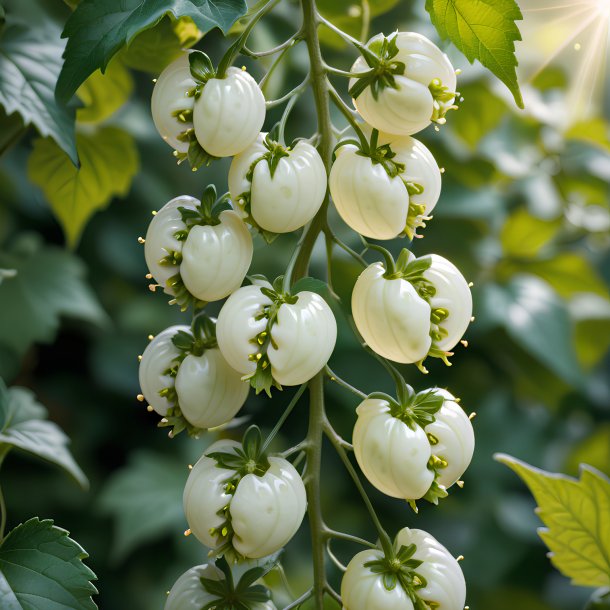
573	36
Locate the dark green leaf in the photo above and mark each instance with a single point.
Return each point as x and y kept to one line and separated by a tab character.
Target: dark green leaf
536	319
38	561
25	427
202	70
49	284
145	500
30	61
97	30
483	30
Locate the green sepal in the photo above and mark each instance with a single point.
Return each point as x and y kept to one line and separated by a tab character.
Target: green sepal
262	379
175	420
419	409
182	297
443	97
379	55
198	156
202	68
435	493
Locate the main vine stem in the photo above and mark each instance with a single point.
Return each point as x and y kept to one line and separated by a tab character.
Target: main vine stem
317	414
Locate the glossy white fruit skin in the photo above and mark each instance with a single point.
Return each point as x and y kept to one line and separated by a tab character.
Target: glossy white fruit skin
215	259
188	592
408	109
292	197
266	511
305	334
361	589
229	113
160	238
210	392
392	456
455	435
453	294
445	580
237	326
156	359
420	168
169	95
391	317
367	199
204	494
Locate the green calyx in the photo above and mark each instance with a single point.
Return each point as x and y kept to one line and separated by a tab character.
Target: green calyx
379	56
408	268
201	338
415	216
207	213
443	98
400	569
196	155
247	459
243	595
262	378
413	409
202	70
275	151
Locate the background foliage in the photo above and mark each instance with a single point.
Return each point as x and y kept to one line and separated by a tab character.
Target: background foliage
524	214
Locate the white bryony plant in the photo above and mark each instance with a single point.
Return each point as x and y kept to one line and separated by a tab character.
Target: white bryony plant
243	501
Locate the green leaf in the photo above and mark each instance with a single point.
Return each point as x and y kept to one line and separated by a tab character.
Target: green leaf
592	329
41	567
537	320
576	514
595	132
483	30
145	500
109	161
104	94
154	49
524	235
24	427
97	30
30	61
593	450
49	284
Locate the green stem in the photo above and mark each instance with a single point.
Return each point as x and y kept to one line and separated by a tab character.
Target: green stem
315	432
4	449
234	50
349	538
290	95
333	377
336	441
280	47
349	115
284	417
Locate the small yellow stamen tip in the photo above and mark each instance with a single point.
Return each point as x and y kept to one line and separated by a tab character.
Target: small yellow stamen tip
470	284
244	68
193	169
460	484
140	358
472	415
190	467
187	532
472	319
458	71
442	170
170	434
153	287
464	342
577	46
141	240
140	397
148	276
154	80
333	379
154	212
149	409
460	558
151	337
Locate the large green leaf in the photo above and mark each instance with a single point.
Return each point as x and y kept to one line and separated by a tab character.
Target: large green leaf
42	568
537	320
485	30
30	62
49	283
145	499
576	514
23	425
103	94
524	235
155	48
109	161
97	30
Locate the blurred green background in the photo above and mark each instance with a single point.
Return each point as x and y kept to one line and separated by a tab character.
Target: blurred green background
524	214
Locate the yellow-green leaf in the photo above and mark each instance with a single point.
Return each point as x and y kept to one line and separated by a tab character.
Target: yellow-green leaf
595	132
109	161
485	30
576	514
153	49
524	235
104	94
